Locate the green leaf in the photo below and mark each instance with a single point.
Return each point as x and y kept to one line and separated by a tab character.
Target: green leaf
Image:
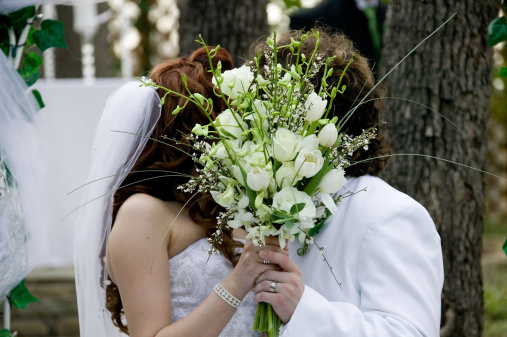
497	31
50	35
30	80
292	3
289	223
5	22
249	192
504	247
297	207
20	17
31	64
38	97
20	297
503	72
5	333
315	181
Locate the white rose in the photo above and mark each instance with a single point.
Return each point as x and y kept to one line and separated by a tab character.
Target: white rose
328	135
236	81
308	163
310	143
333	181
257	179
315	106
285	145
286	175
226	122
288	197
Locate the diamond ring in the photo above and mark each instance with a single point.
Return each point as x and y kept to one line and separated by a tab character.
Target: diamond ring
266	262
272	287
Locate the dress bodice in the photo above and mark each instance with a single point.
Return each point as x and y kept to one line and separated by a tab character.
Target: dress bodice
193	277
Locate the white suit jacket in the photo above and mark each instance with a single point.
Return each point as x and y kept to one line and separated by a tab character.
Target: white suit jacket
384	249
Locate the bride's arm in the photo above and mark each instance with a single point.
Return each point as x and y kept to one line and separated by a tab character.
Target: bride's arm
139	263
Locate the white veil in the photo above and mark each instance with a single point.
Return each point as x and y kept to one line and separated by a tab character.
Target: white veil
22	154
130	109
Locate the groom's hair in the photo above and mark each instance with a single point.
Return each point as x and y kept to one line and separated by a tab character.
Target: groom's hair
359	81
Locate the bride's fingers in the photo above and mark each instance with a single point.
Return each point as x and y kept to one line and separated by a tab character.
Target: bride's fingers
280	259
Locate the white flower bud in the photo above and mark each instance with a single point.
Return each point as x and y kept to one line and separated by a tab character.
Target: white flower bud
333	181
315	106
328	135
257	179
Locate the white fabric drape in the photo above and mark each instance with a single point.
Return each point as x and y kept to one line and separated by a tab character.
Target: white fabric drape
133	111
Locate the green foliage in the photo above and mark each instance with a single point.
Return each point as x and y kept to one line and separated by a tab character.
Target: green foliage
31	64
5	333
292	3
50	35
497	32
38	97
20	297
495	304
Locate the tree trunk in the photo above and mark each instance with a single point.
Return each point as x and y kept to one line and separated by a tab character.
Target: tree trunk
450	73
233	24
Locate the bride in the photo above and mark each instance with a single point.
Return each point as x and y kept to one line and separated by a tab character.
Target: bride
156	279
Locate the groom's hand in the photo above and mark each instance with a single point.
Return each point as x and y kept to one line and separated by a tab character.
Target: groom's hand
286	291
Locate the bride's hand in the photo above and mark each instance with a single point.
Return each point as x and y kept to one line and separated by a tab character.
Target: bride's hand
250	266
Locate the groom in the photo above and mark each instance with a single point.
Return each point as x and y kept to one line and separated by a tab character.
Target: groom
376	266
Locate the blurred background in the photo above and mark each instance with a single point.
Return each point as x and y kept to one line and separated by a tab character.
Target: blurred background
113	41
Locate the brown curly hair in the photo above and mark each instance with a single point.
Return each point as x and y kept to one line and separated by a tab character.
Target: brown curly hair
359	80
156	156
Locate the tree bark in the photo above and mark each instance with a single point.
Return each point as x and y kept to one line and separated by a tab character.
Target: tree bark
450	73
233	24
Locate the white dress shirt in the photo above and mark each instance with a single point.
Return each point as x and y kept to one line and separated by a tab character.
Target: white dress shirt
385	251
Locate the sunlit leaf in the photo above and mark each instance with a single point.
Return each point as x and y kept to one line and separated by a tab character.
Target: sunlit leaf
20	297
497	31
50	35
31	64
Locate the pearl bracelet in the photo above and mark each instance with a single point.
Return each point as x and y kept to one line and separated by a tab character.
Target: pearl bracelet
227	296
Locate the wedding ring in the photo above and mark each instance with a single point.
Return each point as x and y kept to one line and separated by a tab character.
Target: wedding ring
272	287
266	262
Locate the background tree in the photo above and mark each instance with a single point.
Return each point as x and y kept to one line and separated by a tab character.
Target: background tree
234	24
450	73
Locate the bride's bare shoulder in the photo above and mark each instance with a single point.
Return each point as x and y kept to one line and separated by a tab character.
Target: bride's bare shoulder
144	206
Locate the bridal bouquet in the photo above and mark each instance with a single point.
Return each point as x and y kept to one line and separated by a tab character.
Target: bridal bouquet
274	159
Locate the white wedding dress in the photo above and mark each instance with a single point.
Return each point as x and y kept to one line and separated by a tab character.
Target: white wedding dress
192	280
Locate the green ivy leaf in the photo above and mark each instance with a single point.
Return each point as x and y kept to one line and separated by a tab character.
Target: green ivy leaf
505	247
30	80
50	35
31	64
20	17
20	297
497	31
5	333
38	97
503	72
5	22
